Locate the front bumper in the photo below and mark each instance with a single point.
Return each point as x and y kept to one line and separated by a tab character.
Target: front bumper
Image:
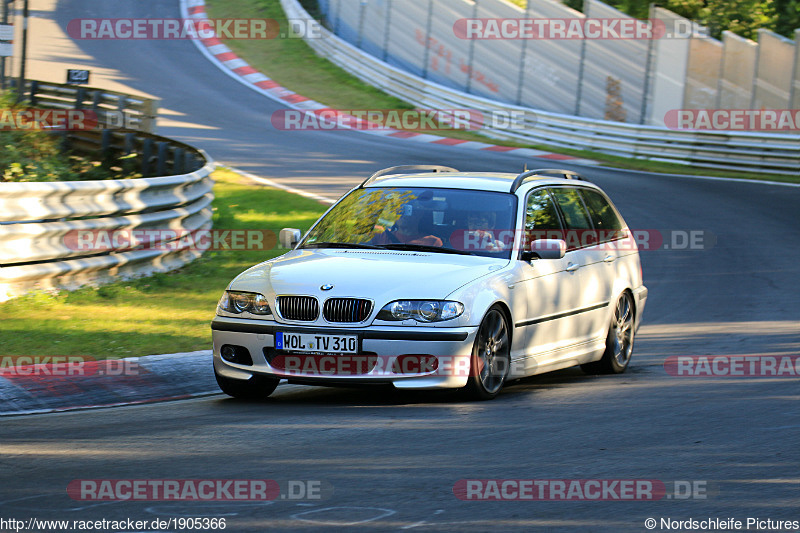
452	348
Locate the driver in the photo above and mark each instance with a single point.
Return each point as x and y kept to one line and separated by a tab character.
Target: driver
406	230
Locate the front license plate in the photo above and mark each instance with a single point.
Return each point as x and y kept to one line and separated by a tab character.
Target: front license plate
312	342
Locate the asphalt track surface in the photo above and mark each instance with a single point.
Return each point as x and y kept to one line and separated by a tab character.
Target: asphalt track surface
390	461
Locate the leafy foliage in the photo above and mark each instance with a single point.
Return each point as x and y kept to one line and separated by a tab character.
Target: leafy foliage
743	17
36	155
29	155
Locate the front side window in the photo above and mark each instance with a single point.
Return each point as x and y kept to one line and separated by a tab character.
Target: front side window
541	218
445	220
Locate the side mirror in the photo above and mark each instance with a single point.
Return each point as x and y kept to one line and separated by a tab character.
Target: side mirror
289	237
545	249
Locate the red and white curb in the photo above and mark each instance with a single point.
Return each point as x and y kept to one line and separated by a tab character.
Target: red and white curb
71	385
237	68
48	387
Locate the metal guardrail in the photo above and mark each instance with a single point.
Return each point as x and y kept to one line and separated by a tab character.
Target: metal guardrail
759	152
157	156
113	109
39	221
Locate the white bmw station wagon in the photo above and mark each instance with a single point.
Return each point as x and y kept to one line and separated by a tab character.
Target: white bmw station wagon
424	277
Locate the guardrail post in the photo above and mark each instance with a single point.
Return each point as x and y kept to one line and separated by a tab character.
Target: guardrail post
579	87
3	20
795	83
122	103
63	144
161	162
521	78
362	6
188	162
105	144
428	25
648	65
338	17
147	154
34	89
387	29
128	144
80	96
471	57
178	160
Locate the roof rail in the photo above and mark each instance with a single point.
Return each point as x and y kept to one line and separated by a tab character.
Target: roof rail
566	174
402	168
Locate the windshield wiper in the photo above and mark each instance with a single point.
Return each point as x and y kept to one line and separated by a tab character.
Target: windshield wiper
339	245
425	248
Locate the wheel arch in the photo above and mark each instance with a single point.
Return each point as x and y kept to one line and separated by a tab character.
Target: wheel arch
506	313
617	294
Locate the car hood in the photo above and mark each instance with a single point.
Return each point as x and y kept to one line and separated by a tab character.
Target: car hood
380	275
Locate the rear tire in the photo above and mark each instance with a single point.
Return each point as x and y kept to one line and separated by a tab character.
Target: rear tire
255	388
491	357
619	342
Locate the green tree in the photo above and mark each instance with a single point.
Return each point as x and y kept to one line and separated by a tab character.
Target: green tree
27	155
743	17
788	13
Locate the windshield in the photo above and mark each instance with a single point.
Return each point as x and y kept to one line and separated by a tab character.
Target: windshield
437	220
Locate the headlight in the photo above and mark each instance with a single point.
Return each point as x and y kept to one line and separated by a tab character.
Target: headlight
240	302
421	310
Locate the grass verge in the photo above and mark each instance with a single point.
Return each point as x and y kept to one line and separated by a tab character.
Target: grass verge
165	313
293	64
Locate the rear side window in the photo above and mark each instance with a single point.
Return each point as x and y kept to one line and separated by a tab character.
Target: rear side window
579	231
604	217
572	208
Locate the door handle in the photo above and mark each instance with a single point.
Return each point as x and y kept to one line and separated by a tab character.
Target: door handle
609	258
572	267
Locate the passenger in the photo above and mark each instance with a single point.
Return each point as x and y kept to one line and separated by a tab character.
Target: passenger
480	232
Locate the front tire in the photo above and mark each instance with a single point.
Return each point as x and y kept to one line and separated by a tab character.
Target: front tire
491	357
619	342
255	388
